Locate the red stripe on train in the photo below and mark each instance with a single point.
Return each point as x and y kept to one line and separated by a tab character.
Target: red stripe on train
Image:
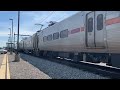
112	21
75	30
82	29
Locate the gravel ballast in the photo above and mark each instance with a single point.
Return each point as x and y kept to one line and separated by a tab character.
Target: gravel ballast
59	71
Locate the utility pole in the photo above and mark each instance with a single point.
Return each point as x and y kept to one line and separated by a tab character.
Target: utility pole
8	48
12	35
10	42
17	56
14	40
18	31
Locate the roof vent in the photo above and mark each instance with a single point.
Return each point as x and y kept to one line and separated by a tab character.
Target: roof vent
52	23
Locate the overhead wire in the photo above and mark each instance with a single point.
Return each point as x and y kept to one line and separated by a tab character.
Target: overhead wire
61	17
48	16
45	17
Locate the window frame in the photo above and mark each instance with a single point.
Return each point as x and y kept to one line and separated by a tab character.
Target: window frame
44	38
61	33
57	35
100	22
89	25
50	38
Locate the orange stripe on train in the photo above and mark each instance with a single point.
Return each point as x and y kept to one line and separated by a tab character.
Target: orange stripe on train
113	21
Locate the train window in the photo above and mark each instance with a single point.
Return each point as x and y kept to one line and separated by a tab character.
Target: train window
56	35
49	37
64	33
44	38
90	24
100	22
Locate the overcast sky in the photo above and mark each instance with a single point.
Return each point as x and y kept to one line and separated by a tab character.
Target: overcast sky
27	21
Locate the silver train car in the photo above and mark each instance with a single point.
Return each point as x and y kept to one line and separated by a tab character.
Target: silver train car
91	36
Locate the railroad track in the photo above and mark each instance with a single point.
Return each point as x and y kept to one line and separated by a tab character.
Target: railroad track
111	72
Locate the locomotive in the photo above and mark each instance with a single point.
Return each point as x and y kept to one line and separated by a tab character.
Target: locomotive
90	36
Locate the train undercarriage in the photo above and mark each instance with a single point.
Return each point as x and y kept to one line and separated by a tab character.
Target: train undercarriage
109	59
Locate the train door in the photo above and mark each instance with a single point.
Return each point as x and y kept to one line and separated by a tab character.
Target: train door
35	41
95	29
90	29
23	45
99	28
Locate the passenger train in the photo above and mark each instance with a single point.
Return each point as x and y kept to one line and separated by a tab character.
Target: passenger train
90	36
